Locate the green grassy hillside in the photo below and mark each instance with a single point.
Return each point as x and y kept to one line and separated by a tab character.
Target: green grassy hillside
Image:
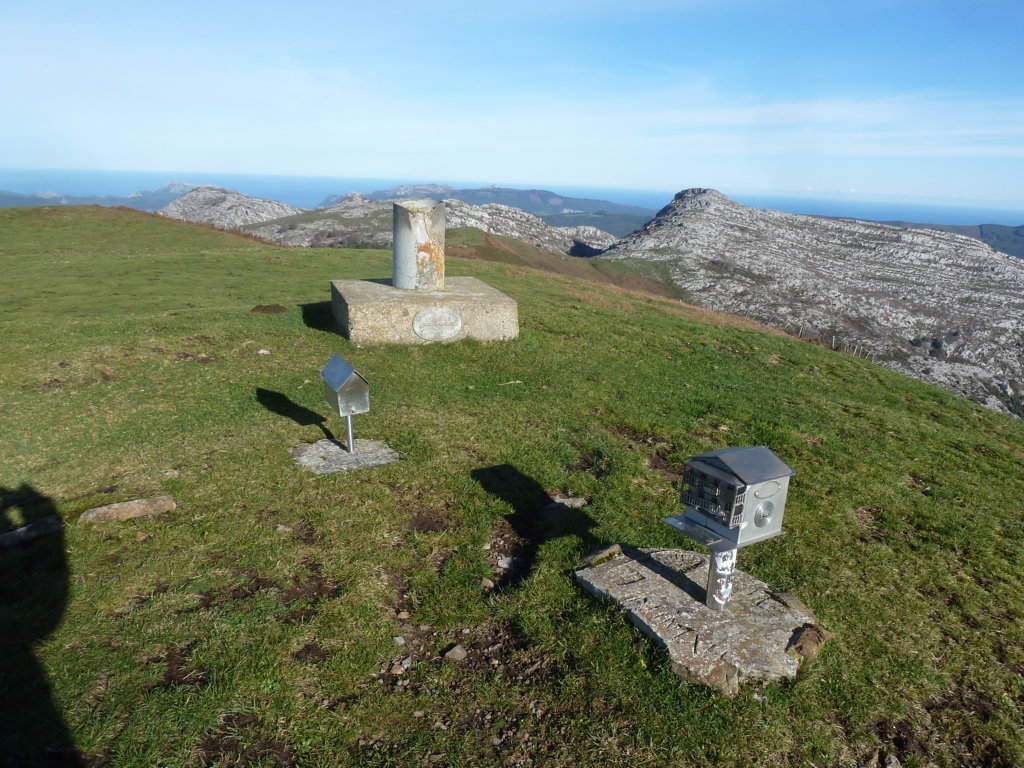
254	625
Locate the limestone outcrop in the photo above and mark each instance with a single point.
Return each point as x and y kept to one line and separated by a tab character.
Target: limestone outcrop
939	306
356	220
225	208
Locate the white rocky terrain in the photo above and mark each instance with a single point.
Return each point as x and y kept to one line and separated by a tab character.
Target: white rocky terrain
224	208
939	306
512	222
357	220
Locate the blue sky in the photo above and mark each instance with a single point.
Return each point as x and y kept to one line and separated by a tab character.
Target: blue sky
904	100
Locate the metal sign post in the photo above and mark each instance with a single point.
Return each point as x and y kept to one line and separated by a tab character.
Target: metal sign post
346	391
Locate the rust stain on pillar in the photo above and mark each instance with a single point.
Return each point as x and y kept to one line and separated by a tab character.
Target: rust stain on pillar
418	250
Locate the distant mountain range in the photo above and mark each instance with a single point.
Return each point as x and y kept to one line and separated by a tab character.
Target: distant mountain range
146	200
557	210
356	220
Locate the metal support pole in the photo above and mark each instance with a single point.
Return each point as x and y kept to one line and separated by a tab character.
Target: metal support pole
351	442
721	566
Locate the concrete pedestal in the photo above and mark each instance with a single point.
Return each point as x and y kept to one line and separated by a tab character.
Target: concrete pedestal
374	312
761	635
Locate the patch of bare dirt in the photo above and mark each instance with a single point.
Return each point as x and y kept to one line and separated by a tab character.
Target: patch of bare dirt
866	518
313	653
252	584
180	669
919	485
429	520
268	309
237	742
593	462
303	595
951	726
664	467
657	461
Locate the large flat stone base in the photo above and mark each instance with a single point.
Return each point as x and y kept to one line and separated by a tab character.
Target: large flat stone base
374	312
327	456
760	635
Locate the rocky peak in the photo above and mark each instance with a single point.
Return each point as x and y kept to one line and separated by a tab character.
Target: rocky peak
936	305
225	208
699	199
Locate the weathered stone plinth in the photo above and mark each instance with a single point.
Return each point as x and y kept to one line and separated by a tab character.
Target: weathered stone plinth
327	456
761	635
374	312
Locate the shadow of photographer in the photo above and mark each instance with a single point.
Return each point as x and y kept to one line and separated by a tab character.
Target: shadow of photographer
536	518
34	580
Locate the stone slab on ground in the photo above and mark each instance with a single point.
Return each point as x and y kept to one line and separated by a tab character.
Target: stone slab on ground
762	635
327	456
374	312
126	510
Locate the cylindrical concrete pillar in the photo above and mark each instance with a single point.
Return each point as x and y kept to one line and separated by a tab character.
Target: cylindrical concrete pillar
418	227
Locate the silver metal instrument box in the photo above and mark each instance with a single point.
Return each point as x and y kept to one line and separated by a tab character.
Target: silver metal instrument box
733	496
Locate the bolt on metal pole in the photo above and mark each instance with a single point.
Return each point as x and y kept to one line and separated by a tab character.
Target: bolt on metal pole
351	442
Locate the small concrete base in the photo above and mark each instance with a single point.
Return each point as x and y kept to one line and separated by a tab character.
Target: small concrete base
760	635
374	312
327	456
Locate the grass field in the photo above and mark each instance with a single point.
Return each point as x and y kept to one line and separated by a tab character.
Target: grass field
255	625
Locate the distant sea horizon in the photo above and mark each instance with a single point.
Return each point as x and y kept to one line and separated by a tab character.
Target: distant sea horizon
310	191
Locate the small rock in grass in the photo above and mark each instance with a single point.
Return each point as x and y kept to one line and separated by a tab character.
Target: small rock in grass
399	640
126	510
262	351
486	583
456	653
402	615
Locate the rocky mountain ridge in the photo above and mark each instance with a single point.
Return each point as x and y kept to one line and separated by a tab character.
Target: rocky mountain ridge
357	220
225	208
939	306
536	201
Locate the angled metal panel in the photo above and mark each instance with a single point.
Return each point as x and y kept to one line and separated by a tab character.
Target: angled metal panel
751	465
345	389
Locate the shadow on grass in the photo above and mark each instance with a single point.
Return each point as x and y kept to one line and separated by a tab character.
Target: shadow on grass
319	316
33	596
283	405
536	519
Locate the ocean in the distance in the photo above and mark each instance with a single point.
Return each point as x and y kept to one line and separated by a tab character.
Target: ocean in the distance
309	191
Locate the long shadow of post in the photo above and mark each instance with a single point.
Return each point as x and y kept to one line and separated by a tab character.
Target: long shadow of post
33	595
536	519
283	405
